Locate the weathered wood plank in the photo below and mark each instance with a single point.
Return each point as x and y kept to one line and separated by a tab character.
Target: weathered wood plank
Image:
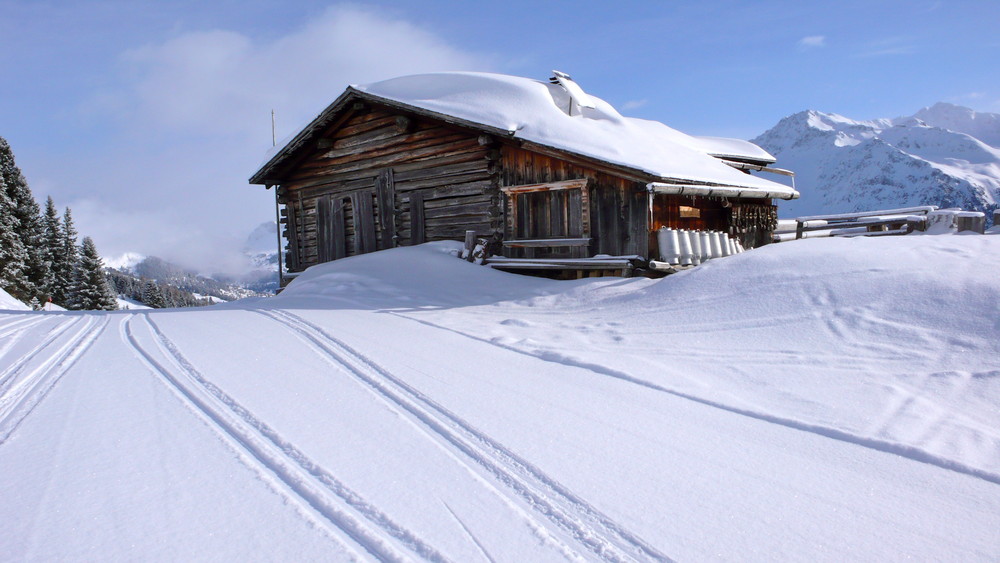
393	156
545	243
386	195
479	199
364	221
400	170
324	216
477	209
387	149
376	139
436	181
417	235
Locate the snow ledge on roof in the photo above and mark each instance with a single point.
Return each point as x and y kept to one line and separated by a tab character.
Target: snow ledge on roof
540	112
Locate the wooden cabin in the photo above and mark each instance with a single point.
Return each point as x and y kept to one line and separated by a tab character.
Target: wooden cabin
544	172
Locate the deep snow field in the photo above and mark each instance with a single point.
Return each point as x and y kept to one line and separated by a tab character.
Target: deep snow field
815	400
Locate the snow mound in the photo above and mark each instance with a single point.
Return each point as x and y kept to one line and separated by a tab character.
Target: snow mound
428	275
7	302
887	342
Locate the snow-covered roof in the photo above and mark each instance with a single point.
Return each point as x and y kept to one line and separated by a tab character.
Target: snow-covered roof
724	147
545	114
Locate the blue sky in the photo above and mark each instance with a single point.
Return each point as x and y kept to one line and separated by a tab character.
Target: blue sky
148	117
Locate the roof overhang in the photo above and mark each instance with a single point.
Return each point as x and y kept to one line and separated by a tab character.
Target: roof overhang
719	191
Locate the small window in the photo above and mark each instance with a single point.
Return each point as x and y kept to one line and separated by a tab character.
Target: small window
553	210
548	220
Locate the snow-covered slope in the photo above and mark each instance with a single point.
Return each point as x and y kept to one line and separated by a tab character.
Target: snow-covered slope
7	302
931	158
818	400
981	125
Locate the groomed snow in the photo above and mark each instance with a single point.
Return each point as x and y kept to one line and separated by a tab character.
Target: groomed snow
8	302
817	400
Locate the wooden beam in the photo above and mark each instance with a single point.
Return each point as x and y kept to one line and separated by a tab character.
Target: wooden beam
576	184
547	243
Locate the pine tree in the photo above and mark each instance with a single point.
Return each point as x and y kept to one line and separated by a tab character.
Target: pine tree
152	296
56	283
29	226
91	289
13	256
70	254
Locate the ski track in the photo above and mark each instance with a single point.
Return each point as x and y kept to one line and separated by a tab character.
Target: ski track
482	549
20	395
300	480
20	324
9	373
595	531
884	446
19	329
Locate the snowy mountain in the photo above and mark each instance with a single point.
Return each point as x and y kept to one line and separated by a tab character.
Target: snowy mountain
981	125
261	252
943	155
259	278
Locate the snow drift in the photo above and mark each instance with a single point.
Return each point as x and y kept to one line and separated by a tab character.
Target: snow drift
823	399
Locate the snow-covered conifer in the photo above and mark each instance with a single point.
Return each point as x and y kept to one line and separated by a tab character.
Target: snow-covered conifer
29	227
91	289
152	296
56	282
12	252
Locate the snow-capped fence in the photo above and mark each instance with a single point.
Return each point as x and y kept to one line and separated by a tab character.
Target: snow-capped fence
903	221
863	223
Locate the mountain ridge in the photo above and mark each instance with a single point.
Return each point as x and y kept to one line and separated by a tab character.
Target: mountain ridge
929	158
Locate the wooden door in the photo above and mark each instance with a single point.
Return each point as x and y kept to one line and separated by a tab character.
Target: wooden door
331	228
362	204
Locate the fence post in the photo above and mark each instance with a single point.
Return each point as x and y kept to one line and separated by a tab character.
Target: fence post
470	245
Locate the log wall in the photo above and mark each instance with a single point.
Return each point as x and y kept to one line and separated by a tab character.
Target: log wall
618	206
372	158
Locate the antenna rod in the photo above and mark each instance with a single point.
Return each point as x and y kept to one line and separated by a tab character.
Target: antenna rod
273	141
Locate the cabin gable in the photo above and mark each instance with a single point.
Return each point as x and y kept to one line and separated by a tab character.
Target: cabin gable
382	178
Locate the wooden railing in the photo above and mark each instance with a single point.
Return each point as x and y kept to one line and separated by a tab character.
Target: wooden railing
863	223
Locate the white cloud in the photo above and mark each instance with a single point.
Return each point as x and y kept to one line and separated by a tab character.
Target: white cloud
812	41
634	104
221	79
889	46
193	122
